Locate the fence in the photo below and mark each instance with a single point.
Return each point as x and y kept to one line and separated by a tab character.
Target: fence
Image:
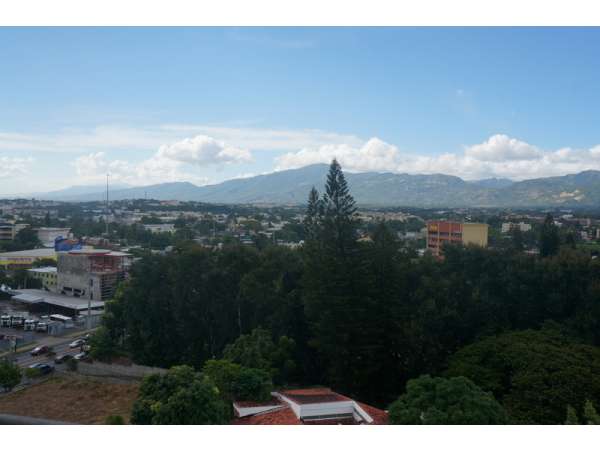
100	369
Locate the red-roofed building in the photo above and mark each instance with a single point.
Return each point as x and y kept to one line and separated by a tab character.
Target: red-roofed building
313	406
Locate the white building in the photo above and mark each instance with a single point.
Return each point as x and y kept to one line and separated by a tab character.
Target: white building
47	235
161	228
508	226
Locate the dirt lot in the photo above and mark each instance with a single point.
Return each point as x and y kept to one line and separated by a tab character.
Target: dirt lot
71	399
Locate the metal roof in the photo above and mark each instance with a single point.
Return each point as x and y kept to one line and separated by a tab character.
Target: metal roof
32	296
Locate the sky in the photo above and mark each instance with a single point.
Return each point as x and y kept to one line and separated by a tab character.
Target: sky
152	105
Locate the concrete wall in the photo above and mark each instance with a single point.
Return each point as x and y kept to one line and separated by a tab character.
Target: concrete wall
74	274
100	369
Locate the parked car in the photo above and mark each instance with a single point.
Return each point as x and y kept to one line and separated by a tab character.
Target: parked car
40	350
77	343
63	359
80	356
44	369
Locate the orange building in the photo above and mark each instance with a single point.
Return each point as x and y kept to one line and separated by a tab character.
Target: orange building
440	232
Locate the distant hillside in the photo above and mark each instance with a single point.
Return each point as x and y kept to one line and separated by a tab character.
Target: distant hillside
385	189
74	192
493	182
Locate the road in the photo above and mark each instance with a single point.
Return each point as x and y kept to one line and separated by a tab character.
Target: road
25	359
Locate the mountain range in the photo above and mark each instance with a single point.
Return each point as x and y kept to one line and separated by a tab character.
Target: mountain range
371	188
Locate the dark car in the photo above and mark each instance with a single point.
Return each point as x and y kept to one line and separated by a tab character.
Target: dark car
40	350
44	369
63	359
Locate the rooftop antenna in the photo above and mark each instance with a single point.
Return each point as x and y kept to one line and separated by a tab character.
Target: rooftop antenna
107	205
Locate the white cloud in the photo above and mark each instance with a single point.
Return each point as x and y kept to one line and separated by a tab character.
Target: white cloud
106	138
203	150
499	156
503	148
13	166
170	163
374	155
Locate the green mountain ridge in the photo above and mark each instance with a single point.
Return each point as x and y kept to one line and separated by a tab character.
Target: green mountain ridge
376	189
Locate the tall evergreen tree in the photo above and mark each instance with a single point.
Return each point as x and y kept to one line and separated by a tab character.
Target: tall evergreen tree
549	238
335	287
339	208
313	215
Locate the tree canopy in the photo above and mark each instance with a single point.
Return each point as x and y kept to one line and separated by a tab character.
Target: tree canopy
10	375
535	374
445	401
179	397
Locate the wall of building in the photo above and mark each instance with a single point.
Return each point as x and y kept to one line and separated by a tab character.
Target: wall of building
75	276
47	278
475	233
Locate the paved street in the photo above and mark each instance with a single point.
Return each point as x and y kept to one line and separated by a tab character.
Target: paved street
59	345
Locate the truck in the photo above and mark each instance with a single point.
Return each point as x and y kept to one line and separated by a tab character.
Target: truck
17	321
29	325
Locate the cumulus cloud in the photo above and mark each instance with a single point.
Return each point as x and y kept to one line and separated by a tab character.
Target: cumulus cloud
374	155
203	150
173	162
13	166
498	156
503	148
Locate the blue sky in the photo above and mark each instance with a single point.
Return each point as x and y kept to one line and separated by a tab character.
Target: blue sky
208	104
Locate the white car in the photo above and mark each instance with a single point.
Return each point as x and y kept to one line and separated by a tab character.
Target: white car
80	356
77	343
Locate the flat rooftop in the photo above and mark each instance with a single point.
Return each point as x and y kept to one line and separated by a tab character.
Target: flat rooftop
97	252
35	296
49	269
35	253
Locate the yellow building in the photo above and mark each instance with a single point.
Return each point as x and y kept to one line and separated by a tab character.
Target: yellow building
440	232
47	275
25	259
475	233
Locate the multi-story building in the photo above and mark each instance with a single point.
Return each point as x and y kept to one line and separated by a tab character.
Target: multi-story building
47	275
441	232
48	235
91	273
522	226
8	230
24	259
161	228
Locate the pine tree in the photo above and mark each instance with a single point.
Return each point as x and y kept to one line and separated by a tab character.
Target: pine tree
313	215
334	281
549	238
339	209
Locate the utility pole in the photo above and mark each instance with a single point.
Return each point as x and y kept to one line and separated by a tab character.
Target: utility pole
106	217
89	308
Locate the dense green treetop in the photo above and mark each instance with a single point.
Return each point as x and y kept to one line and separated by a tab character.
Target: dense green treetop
445	401
535	374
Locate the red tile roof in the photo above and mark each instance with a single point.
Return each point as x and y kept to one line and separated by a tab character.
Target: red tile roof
286	416
283	416
379	416
314	395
